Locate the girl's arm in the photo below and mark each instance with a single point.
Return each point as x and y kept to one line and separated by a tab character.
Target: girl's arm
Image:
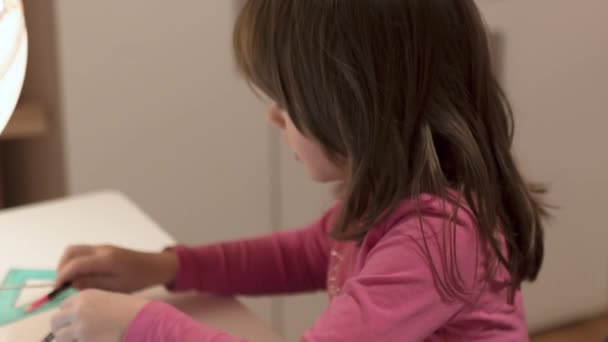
393	298
279	263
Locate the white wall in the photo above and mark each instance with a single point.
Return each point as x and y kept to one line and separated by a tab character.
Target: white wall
153	107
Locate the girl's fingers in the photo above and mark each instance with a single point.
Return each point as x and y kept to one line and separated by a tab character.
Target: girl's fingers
67	334
60	321
85	266
102	282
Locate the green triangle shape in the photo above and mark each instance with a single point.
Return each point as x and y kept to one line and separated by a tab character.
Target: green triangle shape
8	298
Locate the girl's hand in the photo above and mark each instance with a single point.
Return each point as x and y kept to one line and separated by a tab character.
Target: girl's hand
115	269
95	316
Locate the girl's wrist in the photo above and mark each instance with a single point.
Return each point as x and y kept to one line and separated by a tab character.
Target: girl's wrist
165	267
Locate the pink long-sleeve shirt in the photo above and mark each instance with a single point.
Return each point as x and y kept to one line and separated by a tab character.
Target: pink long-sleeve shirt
385	289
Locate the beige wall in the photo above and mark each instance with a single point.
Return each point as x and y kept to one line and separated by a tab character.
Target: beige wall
556	71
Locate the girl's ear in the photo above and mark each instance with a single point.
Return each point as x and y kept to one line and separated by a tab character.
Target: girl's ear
276	116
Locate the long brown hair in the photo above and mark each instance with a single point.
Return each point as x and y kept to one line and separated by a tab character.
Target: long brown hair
403	93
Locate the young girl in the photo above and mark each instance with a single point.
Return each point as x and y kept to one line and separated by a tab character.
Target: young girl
434	228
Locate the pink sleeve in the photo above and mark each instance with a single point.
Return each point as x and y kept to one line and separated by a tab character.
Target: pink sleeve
279	263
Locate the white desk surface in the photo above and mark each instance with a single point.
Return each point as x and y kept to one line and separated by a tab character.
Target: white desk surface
35	237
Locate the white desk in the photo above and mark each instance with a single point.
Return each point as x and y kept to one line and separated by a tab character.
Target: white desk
35	237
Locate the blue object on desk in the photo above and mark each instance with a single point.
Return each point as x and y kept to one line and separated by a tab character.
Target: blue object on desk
8	298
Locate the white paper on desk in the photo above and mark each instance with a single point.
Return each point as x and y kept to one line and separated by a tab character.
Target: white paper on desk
32	329
22	330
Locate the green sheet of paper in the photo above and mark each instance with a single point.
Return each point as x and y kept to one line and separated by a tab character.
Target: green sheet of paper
9	313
